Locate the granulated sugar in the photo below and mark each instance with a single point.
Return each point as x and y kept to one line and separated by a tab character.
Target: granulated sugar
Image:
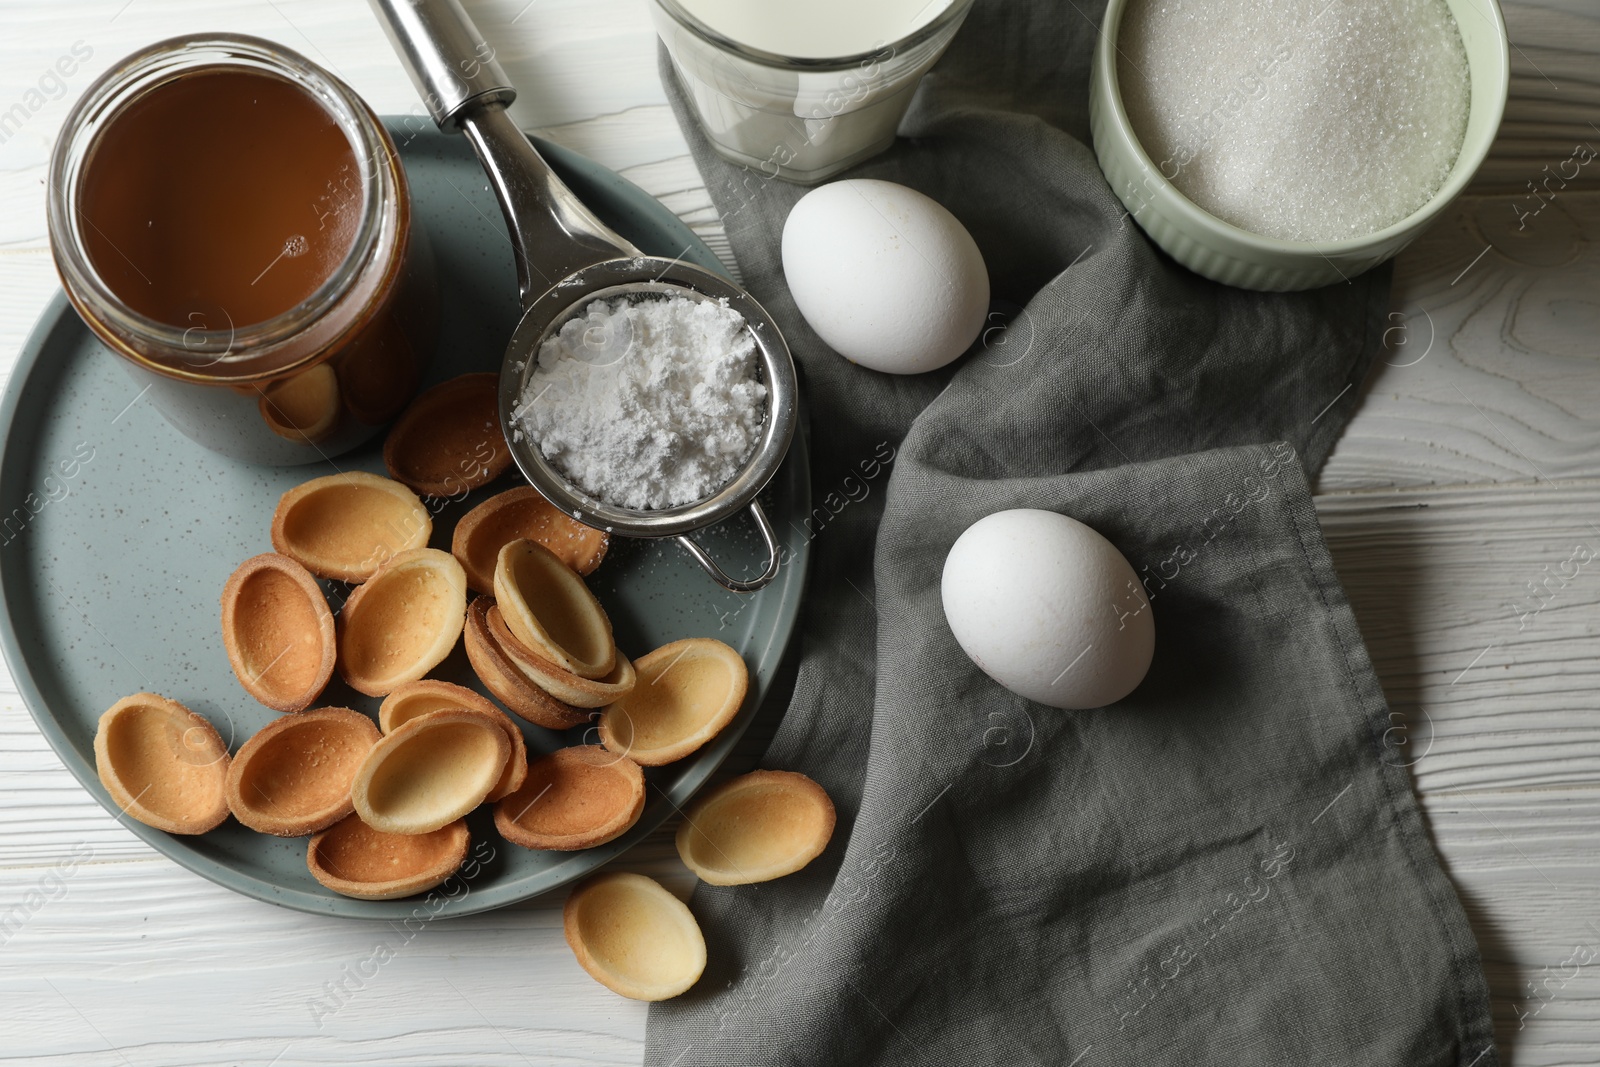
1305	120
646	404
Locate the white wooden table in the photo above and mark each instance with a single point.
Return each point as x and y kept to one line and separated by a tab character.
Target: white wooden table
1468	479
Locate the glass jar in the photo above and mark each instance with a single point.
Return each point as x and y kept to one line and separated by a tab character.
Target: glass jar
307	382
800	119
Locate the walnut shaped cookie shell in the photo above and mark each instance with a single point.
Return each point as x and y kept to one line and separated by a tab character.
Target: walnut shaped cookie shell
502	677
575	798
431	771
402	622
522	514
344	526
163	764
278	632
432	694
633	936
448	440
549	608
293	776
354	860
687	692
756	827
562	684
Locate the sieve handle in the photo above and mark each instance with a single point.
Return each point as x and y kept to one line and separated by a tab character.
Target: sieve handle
449	61
553	233
768	535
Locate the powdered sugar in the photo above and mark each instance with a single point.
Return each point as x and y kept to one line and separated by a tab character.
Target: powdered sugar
646	404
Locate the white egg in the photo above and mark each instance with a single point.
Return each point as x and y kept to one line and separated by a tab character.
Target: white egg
886	276
1049	609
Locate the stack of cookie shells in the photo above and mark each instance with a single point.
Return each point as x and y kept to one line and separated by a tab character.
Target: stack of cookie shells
383	804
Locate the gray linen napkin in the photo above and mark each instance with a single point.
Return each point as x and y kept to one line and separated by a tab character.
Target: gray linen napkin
1228	867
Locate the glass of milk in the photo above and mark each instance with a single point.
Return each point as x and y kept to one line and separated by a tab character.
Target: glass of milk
802	89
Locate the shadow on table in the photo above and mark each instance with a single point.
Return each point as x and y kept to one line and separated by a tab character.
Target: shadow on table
1384	580
1505	977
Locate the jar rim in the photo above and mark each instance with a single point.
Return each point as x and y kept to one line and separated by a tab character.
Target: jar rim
954	12
229	350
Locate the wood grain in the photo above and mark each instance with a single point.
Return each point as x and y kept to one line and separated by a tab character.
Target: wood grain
1470	471
1489	373
1499	679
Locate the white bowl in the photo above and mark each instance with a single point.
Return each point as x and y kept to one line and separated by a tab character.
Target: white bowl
1225	253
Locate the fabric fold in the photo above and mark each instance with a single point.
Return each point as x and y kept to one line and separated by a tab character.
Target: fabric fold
1227	867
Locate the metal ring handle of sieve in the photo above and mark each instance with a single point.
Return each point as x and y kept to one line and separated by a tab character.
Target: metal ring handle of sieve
567	257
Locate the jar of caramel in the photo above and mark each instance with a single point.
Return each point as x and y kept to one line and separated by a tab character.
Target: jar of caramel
234	222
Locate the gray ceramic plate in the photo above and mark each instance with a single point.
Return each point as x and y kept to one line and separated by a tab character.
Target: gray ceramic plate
117	534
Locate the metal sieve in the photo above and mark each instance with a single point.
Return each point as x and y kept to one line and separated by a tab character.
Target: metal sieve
566	258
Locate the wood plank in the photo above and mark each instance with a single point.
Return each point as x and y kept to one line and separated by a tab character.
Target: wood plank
1555	91
1490	372
1498	678
142	956
148	960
